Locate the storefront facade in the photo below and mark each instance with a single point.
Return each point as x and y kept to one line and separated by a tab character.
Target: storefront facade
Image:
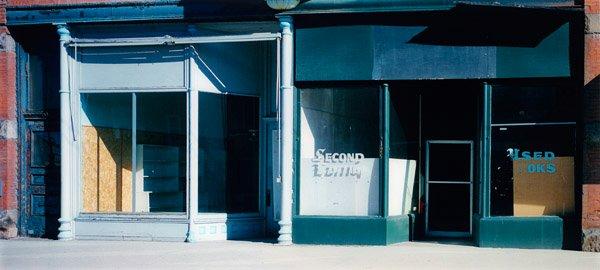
327	123
435	128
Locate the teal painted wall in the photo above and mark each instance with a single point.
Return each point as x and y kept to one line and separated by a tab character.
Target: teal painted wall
375	52
350	230
334	53
545	232
549	59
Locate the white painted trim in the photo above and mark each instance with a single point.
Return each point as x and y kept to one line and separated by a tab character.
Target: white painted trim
155	221
287	127
66	140
168	40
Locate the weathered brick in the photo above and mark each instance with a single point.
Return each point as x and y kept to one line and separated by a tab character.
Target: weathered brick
8	131
591	240
592	6
8	223
7	85
8	174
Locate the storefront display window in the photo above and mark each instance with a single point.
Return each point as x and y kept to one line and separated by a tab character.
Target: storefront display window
228	158
340	151
134	160
404	152
533	150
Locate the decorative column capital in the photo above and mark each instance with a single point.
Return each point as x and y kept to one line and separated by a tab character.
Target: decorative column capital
63	32
286	23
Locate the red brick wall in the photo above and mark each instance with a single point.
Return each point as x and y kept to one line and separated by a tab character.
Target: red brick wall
8	131
591	142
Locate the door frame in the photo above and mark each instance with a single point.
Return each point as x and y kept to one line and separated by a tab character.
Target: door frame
470	183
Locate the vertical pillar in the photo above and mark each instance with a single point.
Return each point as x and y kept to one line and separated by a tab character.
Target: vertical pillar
486	144
9	132
590	165
66	139
385	148
287	125
192	205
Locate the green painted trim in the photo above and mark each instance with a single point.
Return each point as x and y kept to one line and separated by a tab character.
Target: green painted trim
385	147
350	230
485	158
544	232
296	149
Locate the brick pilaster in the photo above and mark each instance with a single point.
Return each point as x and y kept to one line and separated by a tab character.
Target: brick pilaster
591	142
8	131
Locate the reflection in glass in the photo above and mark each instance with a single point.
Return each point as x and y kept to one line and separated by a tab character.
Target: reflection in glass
160	181
339	152
404	151
532	170
228	153
158	158
106	149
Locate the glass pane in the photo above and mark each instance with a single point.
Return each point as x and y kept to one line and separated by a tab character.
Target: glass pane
533	170
228	158
106	152
533	104
449	208
37	77
404	152
339	152
449	162
160	180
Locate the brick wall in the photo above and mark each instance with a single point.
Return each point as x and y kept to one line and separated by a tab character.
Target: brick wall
8	131
591	142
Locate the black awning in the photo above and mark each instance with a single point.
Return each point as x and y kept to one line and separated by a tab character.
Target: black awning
492	25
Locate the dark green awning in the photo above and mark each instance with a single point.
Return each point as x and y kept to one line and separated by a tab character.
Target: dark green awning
350	6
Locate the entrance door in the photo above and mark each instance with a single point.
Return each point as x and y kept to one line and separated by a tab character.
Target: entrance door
39	138
449	190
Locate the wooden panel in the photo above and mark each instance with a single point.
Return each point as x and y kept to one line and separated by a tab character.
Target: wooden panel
107	183
109	149
90	169
126	182
544	193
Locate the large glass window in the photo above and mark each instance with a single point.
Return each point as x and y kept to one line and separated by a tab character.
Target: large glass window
228	158
106	121
133	160
404	151
160	179
340	151
533	149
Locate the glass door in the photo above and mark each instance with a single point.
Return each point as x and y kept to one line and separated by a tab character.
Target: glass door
449	190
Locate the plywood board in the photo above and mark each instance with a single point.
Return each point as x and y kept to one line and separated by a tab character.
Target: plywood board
126	181
90	169
543	193
109	160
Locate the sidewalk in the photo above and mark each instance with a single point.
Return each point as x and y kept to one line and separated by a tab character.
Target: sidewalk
50	254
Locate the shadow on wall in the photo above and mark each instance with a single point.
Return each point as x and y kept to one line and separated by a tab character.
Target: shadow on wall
472	25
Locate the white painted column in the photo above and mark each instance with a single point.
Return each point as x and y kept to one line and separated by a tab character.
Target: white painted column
66	139
192	205
287	126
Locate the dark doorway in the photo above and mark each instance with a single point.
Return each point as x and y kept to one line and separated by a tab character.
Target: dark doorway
39	131
449	177
229	153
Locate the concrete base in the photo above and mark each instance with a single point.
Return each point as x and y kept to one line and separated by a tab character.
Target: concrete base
350	230
591	240
545	232
8	224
